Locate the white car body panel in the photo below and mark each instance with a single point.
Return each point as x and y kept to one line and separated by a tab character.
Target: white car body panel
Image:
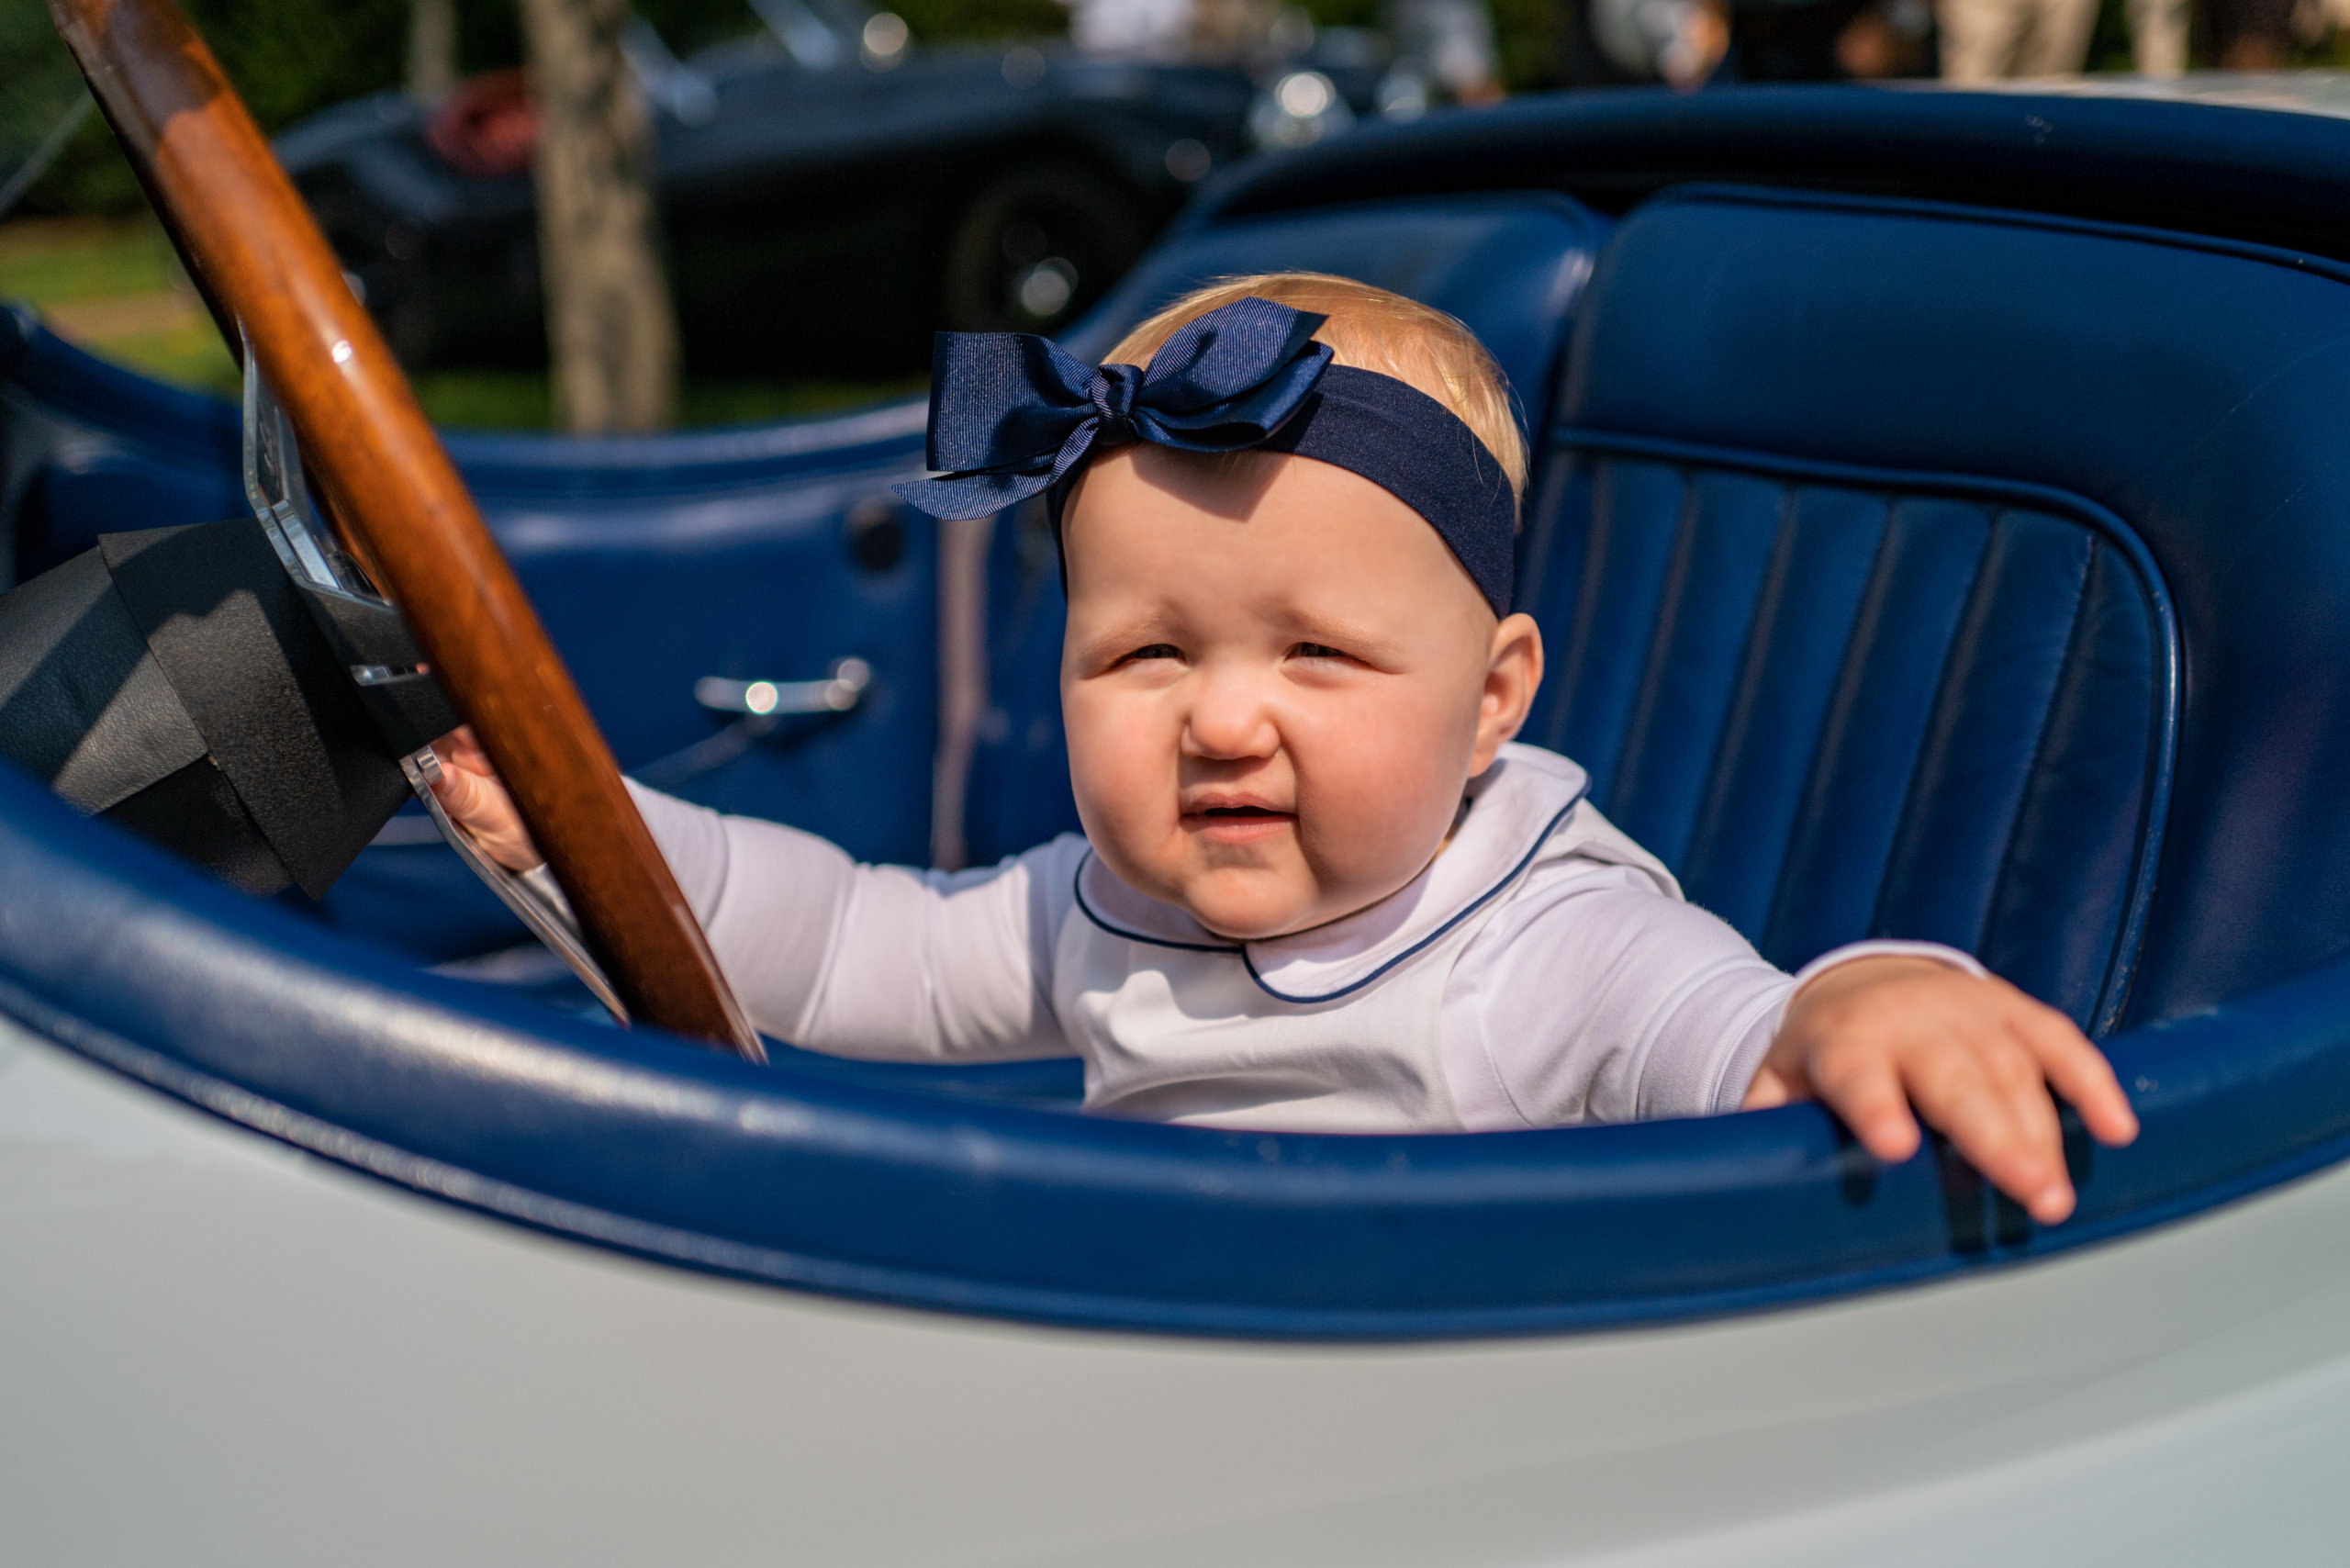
217	1348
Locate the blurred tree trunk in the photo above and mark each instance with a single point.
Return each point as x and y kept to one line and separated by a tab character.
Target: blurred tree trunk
611	330
431	48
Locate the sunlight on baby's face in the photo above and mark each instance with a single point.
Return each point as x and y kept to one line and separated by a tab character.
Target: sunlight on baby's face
1277	681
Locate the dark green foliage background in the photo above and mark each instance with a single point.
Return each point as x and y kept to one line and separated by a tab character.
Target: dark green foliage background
292	57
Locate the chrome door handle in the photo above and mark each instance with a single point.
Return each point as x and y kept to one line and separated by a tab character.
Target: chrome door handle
836	693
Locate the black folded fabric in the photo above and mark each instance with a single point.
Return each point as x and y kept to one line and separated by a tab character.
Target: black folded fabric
175	680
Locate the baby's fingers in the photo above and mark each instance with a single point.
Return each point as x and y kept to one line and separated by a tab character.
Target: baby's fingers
1991	1104
471	799
1865	1092
461	749
2081	1074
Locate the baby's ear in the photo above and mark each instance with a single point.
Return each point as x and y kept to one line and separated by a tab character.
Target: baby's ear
1513	674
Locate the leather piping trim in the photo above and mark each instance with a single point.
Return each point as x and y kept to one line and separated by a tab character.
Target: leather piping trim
2000	217
2155	813
1482	899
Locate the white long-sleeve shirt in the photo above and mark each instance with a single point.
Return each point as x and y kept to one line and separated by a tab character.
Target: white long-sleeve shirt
1543	970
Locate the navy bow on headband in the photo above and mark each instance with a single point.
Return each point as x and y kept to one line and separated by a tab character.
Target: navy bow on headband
1012	416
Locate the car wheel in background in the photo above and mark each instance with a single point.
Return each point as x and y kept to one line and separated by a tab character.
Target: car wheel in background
1037	246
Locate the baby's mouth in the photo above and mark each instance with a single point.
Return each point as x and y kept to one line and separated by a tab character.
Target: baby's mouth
1238	825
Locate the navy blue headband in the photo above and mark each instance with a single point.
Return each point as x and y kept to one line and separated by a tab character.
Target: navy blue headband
1011	415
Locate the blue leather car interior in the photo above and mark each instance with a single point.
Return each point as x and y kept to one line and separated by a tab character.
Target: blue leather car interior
753	553
1921	547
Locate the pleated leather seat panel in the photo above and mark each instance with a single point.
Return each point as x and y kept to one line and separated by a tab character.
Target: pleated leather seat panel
1855	350
1842	705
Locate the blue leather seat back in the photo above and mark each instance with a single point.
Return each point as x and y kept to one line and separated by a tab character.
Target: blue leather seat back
1841	706
1854	560
1510	267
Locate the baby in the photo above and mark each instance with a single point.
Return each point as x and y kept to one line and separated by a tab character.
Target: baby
1319	887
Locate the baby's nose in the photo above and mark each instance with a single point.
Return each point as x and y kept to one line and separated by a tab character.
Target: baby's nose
1229	718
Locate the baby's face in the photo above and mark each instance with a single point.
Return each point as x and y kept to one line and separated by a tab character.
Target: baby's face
1277	681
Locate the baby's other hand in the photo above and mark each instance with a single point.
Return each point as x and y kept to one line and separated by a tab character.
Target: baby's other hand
477	801
1874	1037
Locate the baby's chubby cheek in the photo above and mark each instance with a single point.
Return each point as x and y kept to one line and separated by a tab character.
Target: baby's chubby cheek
1123	764
1371	788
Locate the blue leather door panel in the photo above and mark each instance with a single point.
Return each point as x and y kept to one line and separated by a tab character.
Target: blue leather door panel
656	562
653	561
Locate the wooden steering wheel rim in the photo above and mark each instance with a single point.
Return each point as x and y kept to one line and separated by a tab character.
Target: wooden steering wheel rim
260	262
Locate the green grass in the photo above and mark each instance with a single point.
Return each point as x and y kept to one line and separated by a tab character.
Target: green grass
484	399
185	356
113	285
58	260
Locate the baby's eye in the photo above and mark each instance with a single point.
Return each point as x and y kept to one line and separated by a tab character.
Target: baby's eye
1153	651
1316	650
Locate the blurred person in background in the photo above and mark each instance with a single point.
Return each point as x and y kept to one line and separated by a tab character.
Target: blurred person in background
2270	35
1685	43
1989	40
1615	43
2253	35
1444	49
1448	44
1154	29
1837	41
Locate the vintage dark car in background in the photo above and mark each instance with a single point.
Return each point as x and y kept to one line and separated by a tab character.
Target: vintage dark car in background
830	193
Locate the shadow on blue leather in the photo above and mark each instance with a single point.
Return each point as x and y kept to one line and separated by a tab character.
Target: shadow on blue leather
653	560
1053	1083
2189	388
1510	267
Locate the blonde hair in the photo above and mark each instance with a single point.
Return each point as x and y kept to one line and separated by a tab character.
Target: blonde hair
1371	329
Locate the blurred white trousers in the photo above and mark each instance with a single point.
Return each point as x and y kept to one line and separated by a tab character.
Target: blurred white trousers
1987	41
